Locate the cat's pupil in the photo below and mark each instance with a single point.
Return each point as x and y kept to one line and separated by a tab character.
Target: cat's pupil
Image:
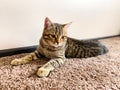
63	37
56	28
53	36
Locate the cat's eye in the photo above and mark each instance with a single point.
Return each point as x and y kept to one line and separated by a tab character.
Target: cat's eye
45	36
63	37
51	36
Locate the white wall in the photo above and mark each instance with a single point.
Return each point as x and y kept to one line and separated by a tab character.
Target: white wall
21	21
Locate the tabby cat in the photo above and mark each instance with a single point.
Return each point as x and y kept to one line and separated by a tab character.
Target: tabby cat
57	46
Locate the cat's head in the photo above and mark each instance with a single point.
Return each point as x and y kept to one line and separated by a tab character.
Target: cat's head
54	34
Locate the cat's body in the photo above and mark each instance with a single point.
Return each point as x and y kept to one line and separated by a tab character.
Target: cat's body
73	49
56	45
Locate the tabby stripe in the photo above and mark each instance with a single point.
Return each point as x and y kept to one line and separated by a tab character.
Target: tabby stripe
73	51
82	54
86	53
96	50
66	52
58	62
54	63
78	52
92	54
59	31
37	54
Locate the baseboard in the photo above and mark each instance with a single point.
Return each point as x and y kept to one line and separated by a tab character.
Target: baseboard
13	51
99	38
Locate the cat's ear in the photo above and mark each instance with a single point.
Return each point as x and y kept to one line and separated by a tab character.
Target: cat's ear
65	26
47	22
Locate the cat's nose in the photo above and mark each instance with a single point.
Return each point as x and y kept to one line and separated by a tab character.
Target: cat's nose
57	43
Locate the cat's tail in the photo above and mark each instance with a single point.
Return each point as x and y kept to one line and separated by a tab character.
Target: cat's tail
104	49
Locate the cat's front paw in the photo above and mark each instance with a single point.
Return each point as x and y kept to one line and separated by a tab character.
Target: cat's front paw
16	62
43	72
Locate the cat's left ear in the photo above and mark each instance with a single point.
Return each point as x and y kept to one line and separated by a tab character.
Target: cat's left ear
65	26
47	22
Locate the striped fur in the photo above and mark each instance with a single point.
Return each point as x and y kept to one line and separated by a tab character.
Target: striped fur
56	45
84	48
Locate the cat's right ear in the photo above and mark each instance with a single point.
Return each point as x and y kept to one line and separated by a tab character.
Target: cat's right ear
65	26
47	22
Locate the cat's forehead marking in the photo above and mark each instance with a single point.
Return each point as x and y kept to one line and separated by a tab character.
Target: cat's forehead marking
58	29
55	29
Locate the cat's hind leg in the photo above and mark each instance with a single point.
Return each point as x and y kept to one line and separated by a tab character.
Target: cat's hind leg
25	59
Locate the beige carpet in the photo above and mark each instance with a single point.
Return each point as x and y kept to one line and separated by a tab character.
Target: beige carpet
96	73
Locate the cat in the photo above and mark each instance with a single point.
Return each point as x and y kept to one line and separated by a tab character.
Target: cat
57	46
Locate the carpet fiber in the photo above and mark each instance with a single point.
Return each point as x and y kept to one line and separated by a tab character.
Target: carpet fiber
96	73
